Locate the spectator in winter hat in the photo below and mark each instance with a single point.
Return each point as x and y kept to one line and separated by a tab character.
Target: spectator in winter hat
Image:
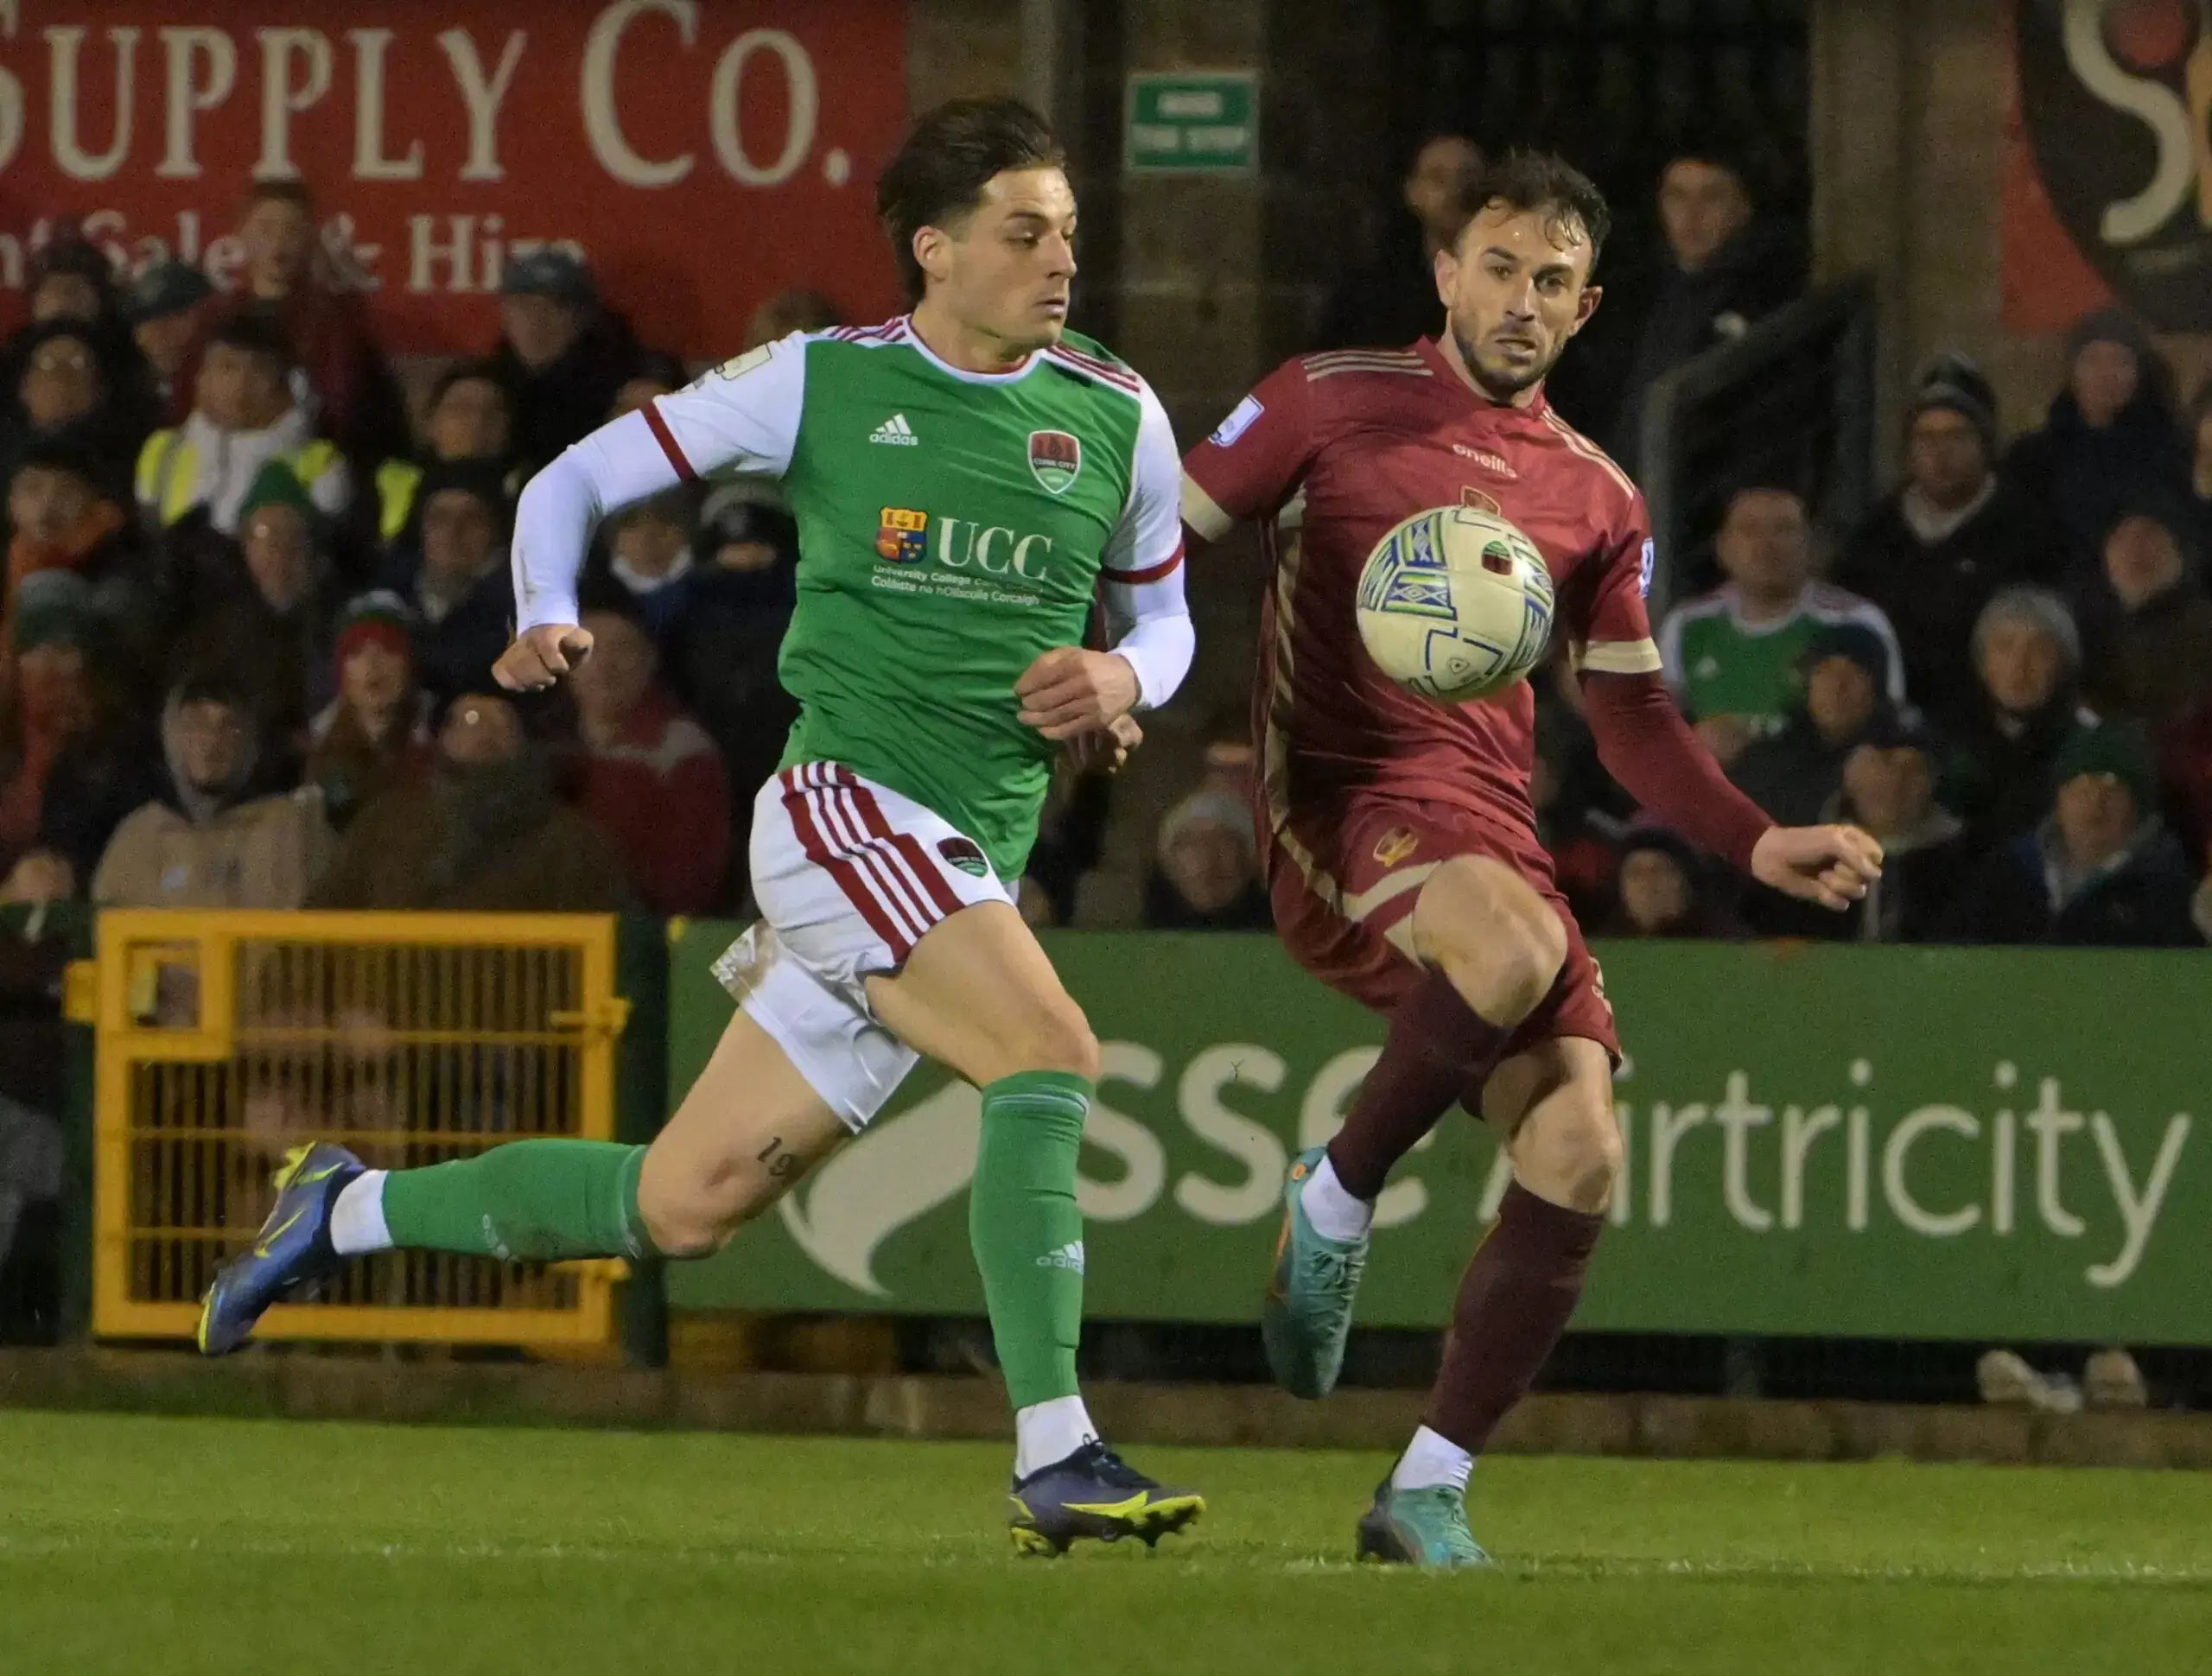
2102	870
63	513
1952	535
1889	782
458	583
1205	874
471	416
269	618
376	733
2111	441
1795	774
653	780
561	351
163	308
2151	626
243	414
205	841
2026	656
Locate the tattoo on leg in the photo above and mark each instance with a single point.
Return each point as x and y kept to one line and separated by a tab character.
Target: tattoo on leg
782	1165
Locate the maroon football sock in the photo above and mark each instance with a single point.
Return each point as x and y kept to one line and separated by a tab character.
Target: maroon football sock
1439	1049
1514	1303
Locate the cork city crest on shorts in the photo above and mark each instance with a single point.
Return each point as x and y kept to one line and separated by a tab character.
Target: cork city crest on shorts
1055	457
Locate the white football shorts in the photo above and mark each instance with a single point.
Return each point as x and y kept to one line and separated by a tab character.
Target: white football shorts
849	875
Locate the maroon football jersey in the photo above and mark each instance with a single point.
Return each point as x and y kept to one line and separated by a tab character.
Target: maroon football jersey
1327	454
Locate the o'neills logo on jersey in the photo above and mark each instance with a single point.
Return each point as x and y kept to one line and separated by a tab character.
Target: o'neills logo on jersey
1055	457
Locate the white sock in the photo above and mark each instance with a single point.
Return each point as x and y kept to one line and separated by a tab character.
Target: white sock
356	1219
1431	1459
1335	1214
1047	1432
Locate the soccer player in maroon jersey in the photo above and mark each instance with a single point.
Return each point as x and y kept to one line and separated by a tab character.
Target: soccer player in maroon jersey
1402	855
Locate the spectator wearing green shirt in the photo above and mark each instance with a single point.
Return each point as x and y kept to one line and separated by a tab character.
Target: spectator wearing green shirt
1732	656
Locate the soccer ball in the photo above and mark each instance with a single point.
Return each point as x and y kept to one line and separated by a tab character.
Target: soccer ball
1455	604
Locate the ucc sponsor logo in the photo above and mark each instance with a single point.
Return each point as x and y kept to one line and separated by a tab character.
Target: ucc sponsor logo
904	537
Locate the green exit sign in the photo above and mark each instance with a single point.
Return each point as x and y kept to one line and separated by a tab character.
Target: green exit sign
1198	121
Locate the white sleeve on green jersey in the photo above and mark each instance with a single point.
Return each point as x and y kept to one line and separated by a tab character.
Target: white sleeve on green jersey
740	418
1142	569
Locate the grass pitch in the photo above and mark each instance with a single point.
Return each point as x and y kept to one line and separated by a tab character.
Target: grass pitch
185	1548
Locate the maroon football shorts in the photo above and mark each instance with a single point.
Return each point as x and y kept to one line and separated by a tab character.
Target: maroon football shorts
1344	881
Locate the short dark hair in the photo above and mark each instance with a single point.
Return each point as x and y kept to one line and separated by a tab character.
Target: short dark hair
252	332
950	157
296	193
1544	181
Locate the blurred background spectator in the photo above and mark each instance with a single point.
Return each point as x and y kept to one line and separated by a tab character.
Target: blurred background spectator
205	841
1724	268
656	373
563	354
287	285
653	780
2102	869
2111	441
1205	874
375	733
1952	535
1390	297
67	513
1663	888
244	414
797	310
166	308
2026	656
483	833
1733	655
1796	774
646	551
2150	624
471	416
456	579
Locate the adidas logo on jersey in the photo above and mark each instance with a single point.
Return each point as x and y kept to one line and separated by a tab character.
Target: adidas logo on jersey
1068	1256
895	431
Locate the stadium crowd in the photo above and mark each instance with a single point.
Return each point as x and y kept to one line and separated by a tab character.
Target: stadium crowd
250	611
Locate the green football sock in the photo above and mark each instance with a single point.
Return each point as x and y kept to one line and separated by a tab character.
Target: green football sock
548	1199
1026	1231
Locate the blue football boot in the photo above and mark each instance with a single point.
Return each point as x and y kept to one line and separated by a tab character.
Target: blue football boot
1096	1494
291	1252
1425	1527
1306	1315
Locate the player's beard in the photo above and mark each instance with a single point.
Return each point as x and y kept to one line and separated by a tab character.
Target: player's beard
1500	386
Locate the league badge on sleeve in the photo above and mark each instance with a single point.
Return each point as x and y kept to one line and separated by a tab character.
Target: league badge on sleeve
1650	563
1055	457
1239	421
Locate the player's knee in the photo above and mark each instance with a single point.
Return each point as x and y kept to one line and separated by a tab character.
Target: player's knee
1574	1157
692	1208
1058	1038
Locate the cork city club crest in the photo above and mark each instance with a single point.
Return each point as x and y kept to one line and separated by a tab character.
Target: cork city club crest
1396	845
1055	457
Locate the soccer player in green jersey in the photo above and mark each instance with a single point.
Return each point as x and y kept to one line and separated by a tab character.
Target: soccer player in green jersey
967	480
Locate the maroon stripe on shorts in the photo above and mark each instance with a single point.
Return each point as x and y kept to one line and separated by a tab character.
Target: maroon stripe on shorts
907	846
848	877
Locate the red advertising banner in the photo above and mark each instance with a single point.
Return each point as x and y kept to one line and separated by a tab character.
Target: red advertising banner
703	154
2107	180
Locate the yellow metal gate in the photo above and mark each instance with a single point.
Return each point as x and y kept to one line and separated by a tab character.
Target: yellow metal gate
225	1038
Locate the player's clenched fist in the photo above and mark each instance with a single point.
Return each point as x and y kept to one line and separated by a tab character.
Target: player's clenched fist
1104	750
1832	865
1069	689
540	656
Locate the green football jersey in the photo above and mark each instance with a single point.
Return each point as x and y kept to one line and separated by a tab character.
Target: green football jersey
1719	664
952	527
